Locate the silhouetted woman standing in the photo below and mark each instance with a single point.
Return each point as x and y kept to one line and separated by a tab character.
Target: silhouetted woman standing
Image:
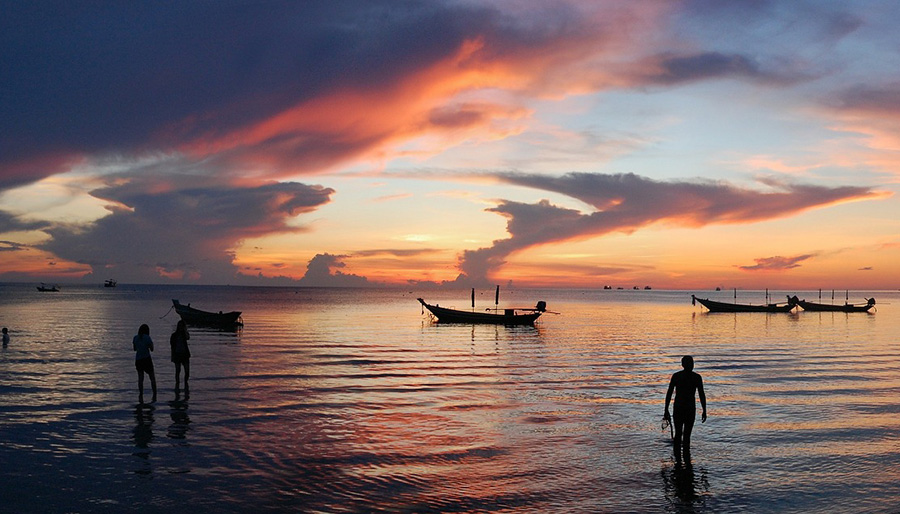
143	345
181	354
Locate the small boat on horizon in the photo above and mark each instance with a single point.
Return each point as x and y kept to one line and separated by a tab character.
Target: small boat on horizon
197	317
44	288
714	306
110	283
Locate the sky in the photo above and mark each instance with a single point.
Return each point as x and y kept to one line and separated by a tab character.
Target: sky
678	144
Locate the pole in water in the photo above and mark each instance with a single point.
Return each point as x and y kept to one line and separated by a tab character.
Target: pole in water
497	297
473	298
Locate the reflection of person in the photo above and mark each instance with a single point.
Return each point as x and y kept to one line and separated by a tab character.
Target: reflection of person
143	345
686	384
5	336
181	354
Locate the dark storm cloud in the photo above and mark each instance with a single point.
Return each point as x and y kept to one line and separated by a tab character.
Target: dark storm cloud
156	231
95	77
628	202
250	85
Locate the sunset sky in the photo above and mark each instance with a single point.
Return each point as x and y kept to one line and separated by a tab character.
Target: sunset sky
678	144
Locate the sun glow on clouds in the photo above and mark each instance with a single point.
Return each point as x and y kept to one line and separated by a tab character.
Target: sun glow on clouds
510	140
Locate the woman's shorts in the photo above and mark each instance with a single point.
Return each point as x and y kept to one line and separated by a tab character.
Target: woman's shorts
145	364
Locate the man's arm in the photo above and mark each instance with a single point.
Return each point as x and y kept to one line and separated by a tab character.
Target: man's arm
702	396
669	394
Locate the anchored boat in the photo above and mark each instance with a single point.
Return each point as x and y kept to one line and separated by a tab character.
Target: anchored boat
516	316
715	306
193	316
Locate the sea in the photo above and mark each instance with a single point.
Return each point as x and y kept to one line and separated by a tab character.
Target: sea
356	401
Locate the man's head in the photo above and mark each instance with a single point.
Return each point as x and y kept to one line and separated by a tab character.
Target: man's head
687	362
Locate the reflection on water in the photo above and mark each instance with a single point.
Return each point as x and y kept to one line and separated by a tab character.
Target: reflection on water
686	488
352	401
179	413
142	434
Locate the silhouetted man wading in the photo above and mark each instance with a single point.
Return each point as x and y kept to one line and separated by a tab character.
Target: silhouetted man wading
685	383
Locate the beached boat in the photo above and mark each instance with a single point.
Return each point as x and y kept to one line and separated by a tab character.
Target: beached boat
193	316
44	288
518	316
715	306
825	307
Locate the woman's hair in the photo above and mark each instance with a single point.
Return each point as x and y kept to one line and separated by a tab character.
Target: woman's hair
181	327
145	329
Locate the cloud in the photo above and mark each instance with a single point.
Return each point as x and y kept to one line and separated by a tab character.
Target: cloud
777	263
407	252
11	246
279	89
677	69
628	202
154	230
323	270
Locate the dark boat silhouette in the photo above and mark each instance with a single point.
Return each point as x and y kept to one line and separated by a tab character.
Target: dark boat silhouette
196	317
47	289
824	307
517	316
714	306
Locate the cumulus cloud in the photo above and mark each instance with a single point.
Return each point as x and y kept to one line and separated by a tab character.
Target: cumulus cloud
324	270
628	202
156	231
777	263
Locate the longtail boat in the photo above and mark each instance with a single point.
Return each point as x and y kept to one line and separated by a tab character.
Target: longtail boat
715	306
47	289
518	316
193	316
825	307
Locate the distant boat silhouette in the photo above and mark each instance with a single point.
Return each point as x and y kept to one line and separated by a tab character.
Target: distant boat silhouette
47	289
110	283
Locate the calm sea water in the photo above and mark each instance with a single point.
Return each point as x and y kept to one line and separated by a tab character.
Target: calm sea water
354	401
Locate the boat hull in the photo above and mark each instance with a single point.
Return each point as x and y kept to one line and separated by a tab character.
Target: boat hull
197	317
822	307
445	315
714	306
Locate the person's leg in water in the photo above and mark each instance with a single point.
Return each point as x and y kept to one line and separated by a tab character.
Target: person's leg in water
140	386
685	425
187	372
177	375
152	376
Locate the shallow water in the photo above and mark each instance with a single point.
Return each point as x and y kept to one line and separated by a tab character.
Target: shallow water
354	401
